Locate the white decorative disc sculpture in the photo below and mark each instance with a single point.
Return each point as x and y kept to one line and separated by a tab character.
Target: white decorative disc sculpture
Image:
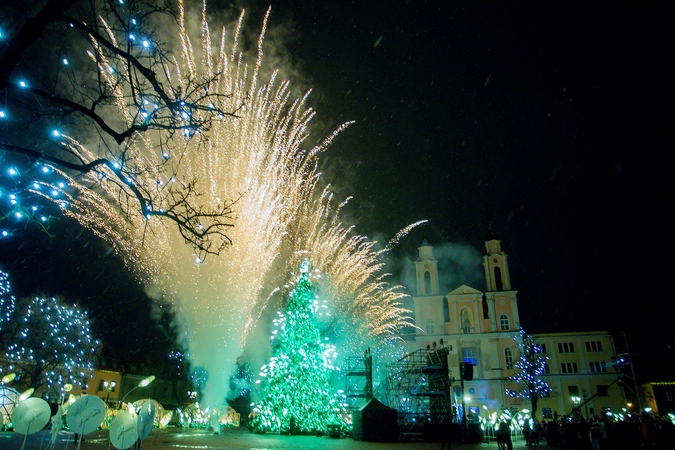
123	431
146	419
31	415
86	414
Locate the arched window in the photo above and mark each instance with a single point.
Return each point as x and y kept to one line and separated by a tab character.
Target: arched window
504	322
508	357
427	283
498	278
431	329
446	310
465	323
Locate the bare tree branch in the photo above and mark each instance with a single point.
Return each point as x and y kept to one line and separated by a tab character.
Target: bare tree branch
209	239
127	95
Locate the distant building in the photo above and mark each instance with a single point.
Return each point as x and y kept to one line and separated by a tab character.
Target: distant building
479	328
112	387
660	396
105	384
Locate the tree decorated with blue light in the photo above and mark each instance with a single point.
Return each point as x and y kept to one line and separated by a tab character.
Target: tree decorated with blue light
531	366
6	300
298	396
48	344
80	84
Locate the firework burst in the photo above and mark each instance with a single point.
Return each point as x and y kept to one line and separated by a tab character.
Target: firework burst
258	164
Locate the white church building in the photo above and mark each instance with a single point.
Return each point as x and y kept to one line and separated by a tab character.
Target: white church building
479	328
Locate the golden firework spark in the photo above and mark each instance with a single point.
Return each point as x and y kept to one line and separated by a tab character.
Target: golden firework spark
257	162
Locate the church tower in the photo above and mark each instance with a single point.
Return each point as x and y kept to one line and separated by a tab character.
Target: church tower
427	271
428	305
501	300
496	266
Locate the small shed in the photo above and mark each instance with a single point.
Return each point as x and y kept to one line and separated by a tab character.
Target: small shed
375	422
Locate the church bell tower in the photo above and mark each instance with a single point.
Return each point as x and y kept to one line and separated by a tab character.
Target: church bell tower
426	268
496	265
501	300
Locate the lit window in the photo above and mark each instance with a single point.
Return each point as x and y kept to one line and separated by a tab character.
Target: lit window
469	356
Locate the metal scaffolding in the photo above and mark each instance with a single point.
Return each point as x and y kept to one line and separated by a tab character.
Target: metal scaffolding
419	388
359	379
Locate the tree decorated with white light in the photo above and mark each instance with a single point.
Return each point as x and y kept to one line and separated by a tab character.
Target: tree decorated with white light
531	366
298	396
48	345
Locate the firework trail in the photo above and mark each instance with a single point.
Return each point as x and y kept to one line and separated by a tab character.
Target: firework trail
259	164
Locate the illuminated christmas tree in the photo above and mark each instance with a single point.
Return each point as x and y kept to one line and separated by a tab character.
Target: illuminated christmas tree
531	365
298	397
49	345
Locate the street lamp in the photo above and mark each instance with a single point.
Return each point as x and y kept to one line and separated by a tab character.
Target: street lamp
109	386
144	382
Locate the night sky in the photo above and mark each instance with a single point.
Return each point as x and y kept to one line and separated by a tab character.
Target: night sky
552	122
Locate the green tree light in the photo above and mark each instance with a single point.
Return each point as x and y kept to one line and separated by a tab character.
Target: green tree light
298	396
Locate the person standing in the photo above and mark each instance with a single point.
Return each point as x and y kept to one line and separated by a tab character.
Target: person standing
527	432
504	436
596	434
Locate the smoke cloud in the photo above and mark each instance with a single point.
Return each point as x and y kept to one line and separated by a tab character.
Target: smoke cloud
458	264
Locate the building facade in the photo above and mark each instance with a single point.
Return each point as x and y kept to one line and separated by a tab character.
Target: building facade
113	386
481	329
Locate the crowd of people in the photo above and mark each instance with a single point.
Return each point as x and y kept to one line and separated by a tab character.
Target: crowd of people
598	433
